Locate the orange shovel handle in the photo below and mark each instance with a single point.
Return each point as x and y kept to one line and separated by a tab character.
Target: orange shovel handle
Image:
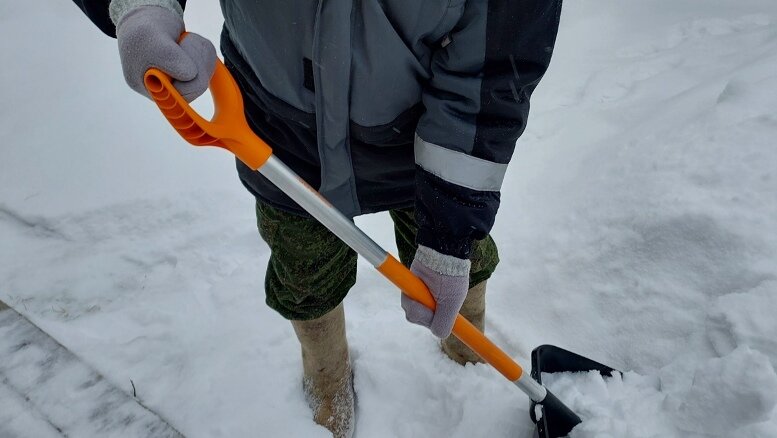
414	288
229	130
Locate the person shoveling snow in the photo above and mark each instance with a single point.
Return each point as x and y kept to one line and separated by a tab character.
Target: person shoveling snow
411	107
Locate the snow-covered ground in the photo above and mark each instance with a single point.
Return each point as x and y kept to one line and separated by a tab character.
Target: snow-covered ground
721	397
638	227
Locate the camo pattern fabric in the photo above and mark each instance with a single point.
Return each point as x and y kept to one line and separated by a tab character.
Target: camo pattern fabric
311	271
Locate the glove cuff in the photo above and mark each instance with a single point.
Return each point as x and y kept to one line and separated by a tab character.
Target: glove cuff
442	263
119	8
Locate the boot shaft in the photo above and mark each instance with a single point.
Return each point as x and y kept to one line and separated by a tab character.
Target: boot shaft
327	380
474	310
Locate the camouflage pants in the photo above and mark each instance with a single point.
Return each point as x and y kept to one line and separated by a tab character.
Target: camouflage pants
311	271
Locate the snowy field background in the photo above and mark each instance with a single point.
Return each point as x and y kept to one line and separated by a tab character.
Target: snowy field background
638	227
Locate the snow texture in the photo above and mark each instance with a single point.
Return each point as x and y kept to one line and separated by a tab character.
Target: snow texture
46	391
638	227
719	397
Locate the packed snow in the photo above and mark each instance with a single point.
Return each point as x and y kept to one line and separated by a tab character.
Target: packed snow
46	391
719	397
638	227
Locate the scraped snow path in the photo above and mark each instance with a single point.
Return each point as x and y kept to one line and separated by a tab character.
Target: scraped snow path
638	227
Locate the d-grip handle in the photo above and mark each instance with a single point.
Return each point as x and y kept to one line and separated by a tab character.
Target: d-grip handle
228	129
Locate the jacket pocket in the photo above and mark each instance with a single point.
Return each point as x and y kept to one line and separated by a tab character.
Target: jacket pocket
398	132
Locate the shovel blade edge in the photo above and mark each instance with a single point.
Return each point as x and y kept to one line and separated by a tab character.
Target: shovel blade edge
552	417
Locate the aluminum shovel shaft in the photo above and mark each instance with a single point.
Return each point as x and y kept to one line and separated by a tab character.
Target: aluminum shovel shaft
229	130
318	207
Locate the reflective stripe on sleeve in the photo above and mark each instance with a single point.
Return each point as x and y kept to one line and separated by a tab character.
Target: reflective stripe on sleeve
459	168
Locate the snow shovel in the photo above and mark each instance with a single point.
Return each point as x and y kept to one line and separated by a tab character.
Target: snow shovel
552	359
229	130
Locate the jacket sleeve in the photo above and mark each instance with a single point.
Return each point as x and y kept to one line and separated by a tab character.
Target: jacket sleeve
477	103
98	11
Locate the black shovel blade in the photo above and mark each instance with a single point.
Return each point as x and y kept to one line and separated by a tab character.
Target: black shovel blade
556	420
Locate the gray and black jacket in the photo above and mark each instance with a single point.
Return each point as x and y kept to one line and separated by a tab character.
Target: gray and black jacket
384	104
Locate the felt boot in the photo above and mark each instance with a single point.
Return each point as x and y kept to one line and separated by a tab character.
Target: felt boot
474	309
328	380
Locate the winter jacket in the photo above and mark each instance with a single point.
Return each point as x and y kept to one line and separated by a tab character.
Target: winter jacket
383	103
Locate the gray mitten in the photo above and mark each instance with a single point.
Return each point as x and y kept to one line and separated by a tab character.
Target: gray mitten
447	278
148	37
